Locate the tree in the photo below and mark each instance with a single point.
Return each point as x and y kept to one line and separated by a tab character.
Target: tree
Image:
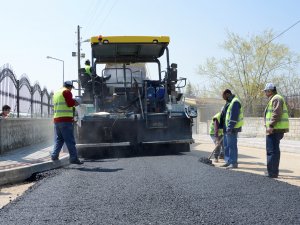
249	66
290	88
195	91
189	90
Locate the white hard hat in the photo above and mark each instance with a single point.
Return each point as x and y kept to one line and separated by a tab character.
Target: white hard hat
269	86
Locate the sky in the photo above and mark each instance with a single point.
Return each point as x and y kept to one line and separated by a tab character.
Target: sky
31	30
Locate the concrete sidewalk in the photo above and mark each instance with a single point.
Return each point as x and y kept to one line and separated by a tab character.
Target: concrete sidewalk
20	164
252	156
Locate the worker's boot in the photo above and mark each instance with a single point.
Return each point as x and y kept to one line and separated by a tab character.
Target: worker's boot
225	165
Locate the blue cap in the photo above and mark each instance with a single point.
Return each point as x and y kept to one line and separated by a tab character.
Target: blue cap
68	83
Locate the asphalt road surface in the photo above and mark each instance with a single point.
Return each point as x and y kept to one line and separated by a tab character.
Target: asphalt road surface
167	189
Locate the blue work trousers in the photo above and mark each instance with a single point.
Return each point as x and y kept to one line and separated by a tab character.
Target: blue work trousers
64	133
273	153
230	147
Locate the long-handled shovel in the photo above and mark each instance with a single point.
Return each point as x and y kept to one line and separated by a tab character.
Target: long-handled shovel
208	160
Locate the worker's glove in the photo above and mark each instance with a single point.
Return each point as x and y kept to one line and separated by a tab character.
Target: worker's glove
77	100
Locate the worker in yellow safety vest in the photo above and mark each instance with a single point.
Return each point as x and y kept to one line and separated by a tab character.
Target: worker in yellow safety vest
216	134
63	123
232	122
88	69
98	79
276	123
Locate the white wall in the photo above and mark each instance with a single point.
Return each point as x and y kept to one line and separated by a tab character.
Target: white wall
21	132
254	127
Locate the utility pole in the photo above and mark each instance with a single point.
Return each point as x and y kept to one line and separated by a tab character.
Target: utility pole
78	57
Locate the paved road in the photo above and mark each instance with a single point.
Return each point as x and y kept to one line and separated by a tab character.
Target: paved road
170	189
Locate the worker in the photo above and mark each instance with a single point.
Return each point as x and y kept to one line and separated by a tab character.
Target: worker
216	134
233	122
63	123
5	112
88	69
276	123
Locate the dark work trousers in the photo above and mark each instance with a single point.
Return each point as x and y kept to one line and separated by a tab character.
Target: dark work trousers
273	153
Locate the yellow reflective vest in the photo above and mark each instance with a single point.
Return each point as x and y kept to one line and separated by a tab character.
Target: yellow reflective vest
240	121
283	123
88	70
60	106
212	126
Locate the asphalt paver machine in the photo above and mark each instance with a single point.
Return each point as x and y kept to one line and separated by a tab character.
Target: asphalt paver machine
121	106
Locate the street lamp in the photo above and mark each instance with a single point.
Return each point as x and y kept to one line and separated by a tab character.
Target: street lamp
49	57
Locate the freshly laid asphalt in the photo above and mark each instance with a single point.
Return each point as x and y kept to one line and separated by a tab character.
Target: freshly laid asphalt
168	189
165	189
20	164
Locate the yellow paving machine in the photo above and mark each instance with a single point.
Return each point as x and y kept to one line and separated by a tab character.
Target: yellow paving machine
122	106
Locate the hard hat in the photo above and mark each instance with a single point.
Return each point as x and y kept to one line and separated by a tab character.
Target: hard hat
269	86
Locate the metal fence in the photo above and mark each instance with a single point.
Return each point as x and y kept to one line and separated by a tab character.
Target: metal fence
24	99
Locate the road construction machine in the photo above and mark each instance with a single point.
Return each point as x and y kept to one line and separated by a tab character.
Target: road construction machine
123	105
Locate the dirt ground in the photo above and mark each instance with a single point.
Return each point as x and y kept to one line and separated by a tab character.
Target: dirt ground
10	192
253	160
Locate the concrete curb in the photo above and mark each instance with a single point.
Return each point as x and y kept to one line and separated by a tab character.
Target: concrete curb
19	174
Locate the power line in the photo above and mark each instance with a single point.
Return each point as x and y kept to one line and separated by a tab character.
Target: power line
93	15
102	9
107	15
89	9
281	33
